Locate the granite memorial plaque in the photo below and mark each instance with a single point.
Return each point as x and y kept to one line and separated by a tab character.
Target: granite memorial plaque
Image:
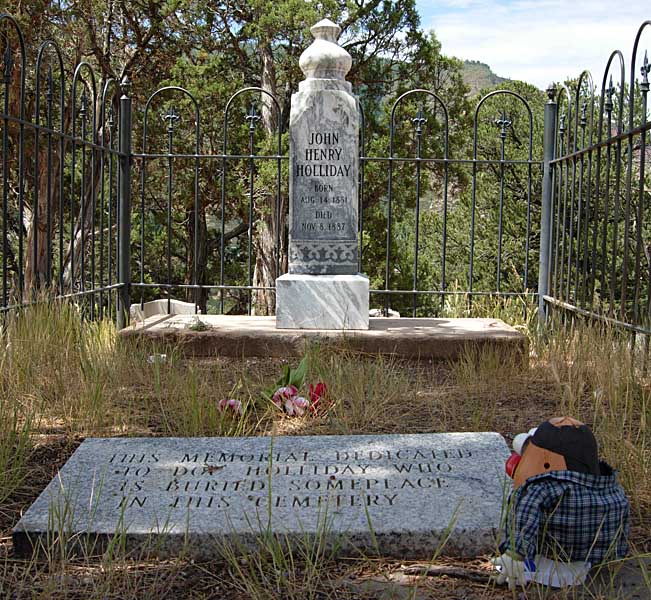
323	289
397	494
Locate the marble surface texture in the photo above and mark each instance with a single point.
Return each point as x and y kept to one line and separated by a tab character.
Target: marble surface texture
396	494
322	302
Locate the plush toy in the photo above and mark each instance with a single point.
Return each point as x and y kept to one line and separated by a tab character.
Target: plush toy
566	513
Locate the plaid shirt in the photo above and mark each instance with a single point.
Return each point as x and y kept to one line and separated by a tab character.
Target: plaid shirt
568	516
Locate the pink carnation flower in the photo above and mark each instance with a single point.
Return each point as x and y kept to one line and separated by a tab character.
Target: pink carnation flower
295	406
284	393
230	404
317	392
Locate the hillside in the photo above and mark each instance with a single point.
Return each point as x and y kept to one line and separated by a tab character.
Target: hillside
478	75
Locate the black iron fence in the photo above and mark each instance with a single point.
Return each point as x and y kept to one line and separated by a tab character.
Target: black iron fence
59	180
235	175
472	196
110	204
597	195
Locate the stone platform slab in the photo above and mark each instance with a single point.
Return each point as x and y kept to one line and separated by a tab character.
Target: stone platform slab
398	495
242	336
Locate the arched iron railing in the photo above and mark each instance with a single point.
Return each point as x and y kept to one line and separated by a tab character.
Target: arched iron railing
601	196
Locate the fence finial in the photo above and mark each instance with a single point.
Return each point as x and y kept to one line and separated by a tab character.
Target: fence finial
645	68
503	122
84	105
419	120
584	113
172	118
8	60
125	86
610	92
252	117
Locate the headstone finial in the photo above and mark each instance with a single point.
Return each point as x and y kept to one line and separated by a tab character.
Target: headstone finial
325	58
326	30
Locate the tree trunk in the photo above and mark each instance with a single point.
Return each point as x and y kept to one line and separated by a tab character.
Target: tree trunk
201	258
268	83
268	224
36	265
80	244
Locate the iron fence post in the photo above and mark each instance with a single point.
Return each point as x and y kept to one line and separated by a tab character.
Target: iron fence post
124	201
549	138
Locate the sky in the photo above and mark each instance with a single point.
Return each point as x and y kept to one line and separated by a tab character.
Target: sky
539	41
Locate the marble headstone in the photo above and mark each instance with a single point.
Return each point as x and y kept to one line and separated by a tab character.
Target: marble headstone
399	495
323	213
323	161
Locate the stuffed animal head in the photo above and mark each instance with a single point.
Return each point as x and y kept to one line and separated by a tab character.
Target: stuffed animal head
560	444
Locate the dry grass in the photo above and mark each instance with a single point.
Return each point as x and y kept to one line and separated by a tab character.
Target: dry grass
61	381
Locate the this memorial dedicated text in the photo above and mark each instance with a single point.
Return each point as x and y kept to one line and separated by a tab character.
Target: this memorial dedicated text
219	480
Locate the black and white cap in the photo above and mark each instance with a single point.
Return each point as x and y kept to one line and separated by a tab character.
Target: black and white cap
576	444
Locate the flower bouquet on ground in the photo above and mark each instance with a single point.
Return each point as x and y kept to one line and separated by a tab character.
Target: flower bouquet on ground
286	392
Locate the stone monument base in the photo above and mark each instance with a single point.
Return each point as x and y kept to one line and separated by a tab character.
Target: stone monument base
322	302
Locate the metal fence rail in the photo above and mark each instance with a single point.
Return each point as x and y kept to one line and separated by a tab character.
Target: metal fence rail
444	163
201	162
250	158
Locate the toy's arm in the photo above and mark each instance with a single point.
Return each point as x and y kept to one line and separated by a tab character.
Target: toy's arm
523	520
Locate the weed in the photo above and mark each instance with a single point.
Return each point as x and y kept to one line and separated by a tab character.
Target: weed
198	325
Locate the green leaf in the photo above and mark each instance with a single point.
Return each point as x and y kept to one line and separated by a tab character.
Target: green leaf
284	380
298	375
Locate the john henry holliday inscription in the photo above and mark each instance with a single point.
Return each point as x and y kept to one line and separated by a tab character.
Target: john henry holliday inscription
208	490
323	208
